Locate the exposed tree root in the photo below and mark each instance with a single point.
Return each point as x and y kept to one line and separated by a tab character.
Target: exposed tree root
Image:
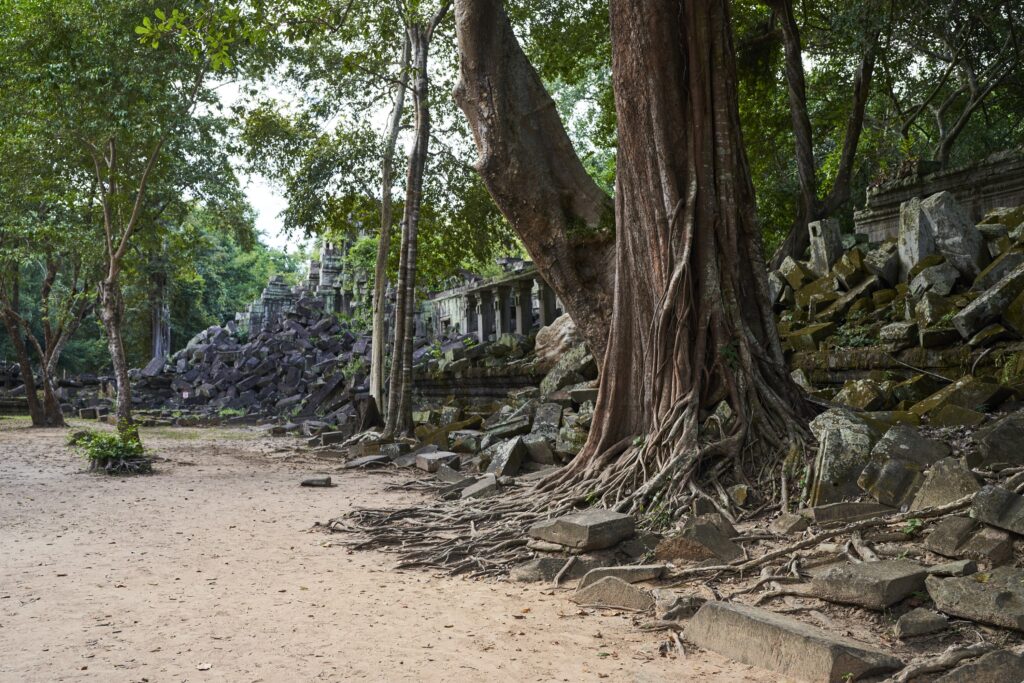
122	466
947	660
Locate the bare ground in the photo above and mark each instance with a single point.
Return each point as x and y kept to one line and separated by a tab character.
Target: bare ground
209	571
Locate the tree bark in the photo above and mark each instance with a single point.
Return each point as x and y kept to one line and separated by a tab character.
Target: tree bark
691	326
111	315
399	417
9	314
532	172
35	408
159	311
380	271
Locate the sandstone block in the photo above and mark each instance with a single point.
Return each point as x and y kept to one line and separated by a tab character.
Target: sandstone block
784	645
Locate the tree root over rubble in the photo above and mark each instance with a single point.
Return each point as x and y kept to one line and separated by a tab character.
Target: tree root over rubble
947	660
487	537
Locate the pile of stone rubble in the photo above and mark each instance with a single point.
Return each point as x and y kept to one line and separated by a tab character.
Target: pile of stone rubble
475	449
945	299
307	363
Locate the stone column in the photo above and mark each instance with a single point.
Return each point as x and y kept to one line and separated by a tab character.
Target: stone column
485	315
504	305
826	245
524	307
548	304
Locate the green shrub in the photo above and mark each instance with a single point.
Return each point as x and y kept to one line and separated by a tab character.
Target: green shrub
119	452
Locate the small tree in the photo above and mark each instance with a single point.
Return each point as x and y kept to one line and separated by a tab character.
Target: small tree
124	105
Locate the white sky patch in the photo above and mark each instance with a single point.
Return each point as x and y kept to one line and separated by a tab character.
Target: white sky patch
266	199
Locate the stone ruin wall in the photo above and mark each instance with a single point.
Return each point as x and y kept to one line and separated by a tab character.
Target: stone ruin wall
994	182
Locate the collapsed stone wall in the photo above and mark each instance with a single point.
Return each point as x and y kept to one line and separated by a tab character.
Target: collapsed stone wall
930	324
979	188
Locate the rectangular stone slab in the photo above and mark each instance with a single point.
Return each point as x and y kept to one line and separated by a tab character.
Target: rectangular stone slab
431	462
784	645
1001	508
592	529
629	574
875	585
995	597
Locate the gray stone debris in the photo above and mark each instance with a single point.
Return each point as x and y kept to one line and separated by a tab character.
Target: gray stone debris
546	568
1002	442
949	534
920	622
592	529
613	592
844	447
826	245
837	514
538	449
884	263
1001	508
698	541
988	307
915	240
671	606
948	480
450	475
875	585
955	568
367	461
892	483
431	462
995	597
784	645
789	523
507	458
485	487
628	573
1002	266
965	538
955	234
1000	666
994	547
906	443
938	279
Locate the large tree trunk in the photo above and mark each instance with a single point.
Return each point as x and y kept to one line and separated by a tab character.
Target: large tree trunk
111	314
529	166
52	413
380	270
399	417
691	326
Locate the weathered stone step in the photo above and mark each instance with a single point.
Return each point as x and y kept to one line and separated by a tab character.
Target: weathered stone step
782	644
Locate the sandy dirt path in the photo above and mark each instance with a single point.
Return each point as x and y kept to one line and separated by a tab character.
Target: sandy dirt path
208	571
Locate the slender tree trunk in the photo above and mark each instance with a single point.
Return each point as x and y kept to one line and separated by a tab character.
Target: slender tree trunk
532	172
111	314
12	323
35	408
691	326
399	418
380	271
160	312
810	207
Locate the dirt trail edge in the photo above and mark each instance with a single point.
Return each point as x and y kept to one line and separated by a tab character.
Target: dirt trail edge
208	571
